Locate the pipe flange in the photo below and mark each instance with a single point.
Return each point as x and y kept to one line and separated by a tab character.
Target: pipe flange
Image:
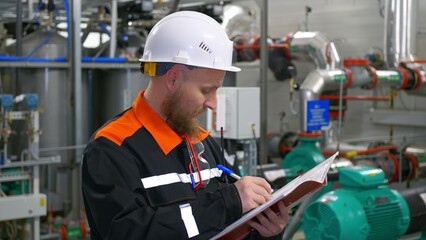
309	135
419	78
414	165
373	72
396	164
412	79
348	72
404	74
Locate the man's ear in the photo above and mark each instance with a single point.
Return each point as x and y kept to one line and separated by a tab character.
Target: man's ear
170	78
174	76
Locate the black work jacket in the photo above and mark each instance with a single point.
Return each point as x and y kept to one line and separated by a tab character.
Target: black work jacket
131	149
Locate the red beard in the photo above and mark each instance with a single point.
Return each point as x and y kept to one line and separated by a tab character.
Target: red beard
179	118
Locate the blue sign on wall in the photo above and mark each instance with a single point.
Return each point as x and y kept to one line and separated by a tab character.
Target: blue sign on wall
317	114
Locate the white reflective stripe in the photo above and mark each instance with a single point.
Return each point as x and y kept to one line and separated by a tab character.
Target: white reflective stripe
206	174
169	178
189	220
159	180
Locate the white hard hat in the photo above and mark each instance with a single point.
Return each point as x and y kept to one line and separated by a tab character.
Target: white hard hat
189	38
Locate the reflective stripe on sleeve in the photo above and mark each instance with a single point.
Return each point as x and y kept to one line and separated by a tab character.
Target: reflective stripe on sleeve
189	220
169	178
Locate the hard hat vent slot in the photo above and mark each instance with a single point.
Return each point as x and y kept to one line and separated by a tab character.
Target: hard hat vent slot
204	47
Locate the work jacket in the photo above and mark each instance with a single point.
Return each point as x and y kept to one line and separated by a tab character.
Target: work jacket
135	182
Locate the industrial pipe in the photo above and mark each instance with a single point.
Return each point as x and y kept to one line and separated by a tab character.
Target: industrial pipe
415	199
302	46
355	75
314	84
400	31
313	46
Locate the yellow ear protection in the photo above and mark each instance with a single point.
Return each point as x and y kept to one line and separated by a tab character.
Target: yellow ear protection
155	69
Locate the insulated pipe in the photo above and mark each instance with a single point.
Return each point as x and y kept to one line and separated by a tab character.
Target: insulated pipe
314	84
400	38
400	31
389	78
313	46
318	81
336	61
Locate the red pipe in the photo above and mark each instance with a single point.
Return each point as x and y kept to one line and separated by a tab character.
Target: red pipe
350	154
421	61
358	98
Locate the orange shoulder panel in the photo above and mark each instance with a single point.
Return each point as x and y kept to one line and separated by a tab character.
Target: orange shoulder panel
120	129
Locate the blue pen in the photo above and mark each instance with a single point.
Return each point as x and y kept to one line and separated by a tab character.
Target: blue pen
192	181
228	172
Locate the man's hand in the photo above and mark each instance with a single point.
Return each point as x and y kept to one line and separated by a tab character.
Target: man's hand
253	191
269	223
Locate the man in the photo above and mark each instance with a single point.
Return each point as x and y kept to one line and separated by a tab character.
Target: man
151	172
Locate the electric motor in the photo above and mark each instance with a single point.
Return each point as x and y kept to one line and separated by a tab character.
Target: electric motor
365	208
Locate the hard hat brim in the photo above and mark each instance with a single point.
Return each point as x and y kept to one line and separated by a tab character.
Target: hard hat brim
229	69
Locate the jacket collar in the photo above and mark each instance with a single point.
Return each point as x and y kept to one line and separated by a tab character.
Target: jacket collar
166	138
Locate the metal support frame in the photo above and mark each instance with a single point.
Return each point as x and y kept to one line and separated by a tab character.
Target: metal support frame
114	19
78	119
263	81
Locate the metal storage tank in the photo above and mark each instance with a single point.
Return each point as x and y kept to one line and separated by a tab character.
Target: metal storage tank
114	90
55	90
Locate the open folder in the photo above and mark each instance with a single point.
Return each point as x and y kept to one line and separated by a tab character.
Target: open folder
291	194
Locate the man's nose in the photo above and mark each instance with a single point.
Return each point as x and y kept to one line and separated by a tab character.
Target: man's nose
211	101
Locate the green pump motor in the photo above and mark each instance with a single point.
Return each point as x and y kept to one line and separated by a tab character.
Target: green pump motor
304	156
365	208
